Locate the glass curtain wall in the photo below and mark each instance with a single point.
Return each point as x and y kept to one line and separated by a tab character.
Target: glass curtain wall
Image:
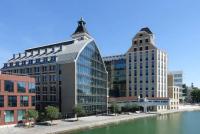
91	80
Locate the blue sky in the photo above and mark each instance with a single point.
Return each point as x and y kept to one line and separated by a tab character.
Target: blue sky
113	23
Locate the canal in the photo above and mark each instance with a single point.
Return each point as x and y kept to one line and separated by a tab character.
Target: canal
177	123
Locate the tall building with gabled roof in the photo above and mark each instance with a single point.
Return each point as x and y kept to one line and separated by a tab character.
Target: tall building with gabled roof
146	68
67	73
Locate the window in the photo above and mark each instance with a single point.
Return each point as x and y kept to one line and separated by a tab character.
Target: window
9	85
146	48
52	68
53	58
135	42
37	69
140	48
30	62
20	114
17	63
146	40
12	101
44	68
52	90
24	101
23	62
140	41
44	97
33	99
37	60
1	101
11	64
53	98
45	60
21	87
135	49
31	87
9	116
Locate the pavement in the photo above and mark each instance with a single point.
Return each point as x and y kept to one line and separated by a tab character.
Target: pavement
85	122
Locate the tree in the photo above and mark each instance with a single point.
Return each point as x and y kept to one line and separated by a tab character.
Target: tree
31	115
115	108
79	111
195	96
52	113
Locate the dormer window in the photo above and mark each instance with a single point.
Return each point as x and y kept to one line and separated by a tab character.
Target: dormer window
53	58
23	62
45	60
37	60
5	65
30	62
17	63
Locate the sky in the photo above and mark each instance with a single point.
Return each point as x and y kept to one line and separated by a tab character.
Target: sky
113	23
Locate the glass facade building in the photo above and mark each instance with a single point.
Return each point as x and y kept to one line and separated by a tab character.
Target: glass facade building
116	67
92	80
67	74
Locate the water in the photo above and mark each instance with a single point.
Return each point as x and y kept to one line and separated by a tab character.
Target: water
178	123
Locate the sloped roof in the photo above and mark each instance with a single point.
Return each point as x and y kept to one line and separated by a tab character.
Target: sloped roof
146	29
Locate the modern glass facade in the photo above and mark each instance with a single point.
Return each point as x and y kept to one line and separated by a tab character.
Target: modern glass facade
91	80
116	68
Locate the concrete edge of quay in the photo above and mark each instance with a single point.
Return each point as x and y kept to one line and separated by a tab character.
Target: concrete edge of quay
119	120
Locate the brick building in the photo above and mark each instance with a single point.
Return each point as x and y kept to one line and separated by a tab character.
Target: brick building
17	95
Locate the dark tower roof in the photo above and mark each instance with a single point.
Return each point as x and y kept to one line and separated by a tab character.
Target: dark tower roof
81	27
146	29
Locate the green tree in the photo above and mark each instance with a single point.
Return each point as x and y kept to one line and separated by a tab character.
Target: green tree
115	108
79	111
52	113
31	115
195	96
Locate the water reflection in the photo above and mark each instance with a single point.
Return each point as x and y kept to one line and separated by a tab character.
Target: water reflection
178	123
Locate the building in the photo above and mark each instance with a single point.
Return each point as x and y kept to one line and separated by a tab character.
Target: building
173	92
116	67
178	81
146	68
17	95
67	73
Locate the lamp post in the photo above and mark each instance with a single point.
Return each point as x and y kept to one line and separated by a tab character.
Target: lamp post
5	120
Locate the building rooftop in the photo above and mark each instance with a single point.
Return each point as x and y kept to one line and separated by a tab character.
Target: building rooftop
146	29
81	27
114	57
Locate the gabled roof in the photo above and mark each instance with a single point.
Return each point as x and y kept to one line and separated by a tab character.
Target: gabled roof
146	29
81	27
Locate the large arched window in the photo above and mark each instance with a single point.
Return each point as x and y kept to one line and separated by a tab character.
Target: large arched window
91	80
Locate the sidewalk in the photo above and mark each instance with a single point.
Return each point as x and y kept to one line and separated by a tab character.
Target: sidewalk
85	122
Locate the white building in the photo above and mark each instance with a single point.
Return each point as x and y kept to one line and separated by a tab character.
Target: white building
146	68
178	81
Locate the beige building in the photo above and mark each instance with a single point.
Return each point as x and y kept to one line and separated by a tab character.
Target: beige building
146	68
173	93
